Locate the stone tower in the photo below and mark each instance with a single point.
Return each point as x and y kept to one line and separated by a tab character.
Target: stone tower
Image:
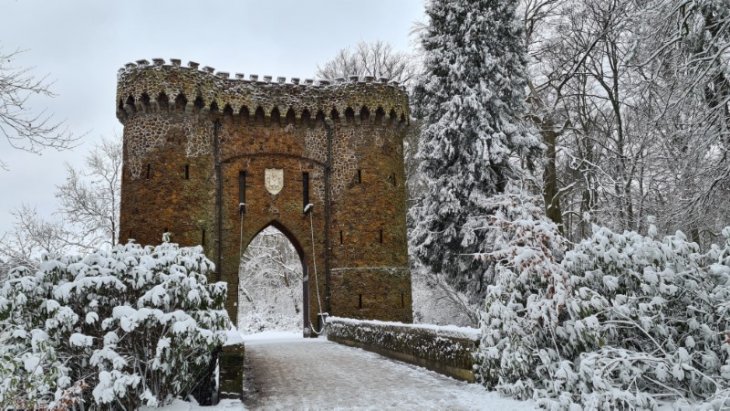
214	160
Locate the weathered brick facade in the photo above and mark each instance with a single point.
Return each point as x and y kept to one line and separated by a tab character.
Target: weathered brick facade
196	143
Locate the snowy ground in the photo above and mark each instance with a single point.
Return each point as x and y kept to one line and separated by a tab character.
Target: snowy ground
291	373
179	405
288	372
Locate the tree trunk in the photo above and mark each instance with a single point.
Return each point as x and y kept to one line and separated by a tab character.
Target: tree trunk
550	176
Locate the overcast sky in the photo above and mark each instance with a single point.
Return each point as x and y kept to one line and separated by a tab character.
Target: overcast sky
81	44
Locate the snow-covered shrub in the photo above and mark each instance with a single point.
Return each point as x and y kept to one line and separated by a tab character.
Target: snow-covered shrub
527	296
638	321
119	328
644	315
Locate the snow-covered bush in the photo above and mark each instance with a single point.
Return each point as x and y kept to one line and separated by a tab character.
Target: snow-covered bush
527	296
117	328
647	317
639	320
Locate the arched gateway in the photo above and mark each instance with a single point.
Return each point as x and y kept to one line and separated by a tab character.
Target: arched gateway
215	160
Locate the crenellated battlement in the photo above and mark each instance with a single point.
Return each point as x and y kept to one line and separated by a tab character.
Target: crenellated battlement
158	86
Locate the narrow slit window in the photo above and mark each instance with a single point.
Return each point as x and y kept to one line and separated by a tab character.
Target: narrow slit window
202	236
393	180
242	192
148	175
187	171
359	301
342	239
305	190
380	236
358	176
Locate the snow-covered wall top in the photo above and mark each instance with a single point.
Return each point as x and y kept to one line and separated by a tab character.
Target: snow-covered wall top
142	86
449	350
452	331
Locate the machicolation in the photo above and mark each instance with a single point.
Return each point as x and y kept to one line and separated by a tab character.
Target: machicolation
214	160
145	87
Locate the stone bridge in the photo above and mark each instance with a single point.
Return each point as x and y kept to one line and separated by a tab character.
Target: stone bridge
288	372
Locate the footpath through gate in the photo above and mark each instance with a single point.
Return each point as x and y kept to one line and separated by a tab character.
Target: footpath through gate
288	372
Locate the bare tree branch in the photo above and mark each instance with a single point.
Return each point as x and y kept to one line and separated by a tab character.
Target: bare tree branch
23	128
376	59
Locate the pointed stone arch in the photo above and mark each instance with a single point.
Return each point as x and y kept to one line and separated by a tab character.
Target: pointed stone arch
275	116
287	233
130	105
259	115
146	102
392	117
306	117
303	256
163	101
349	115
244	114
199	103
181	102
320	117
364	113
291	116
228	111
379	115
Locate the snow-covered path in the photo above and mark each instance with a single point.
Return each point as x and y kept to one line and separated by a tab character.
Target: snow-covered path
294	373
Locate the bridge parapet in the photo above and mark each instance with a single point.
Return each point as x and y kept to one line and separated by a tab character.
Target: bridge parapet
447	350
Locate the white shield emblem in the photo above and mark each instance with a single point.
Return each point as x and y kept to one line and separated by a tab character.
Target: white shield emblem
274	180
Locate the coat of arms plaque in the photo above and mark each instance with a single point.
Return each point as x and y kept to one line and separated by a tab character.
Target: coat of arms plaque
274	180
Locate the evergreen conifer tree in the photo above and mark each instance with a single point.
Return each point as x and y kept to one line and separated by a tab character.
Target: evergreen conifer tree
472	98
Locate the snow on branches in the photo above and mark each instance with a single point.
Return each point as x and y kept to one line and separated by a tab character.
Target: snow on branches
528	292
646	319
472	97
117	328
624	321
